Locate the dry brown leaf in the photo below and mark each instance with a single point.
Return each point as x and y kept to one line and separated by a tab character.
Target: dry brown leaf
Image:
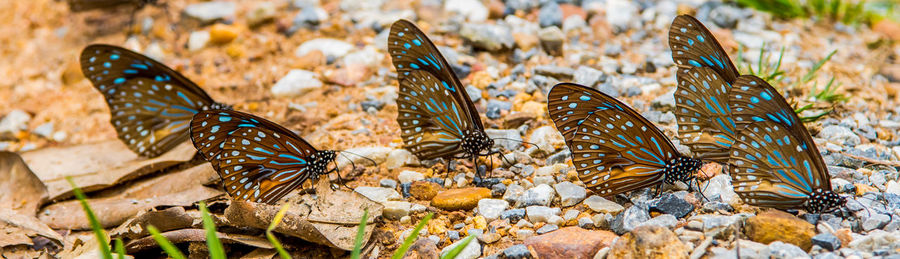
97	166
197	235
331	219
164	220
113	211
24	191
18	229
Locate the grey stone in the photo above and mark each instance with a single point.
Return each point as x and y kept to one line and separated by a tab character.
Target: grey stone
507	139
513	215
473	10
671	204
471	251
552	40
488	36
624	16
208	12
588	76
513	192
780	250
554	71
550	15
407	176
664	220
876	221
540	213
602	205
517	251
720	186
840	134
491	209
631	218
547	228
727	16
388	183
827	241
586	223
570	194
332	48
378	194
495	106
474	93
296	82
395	210
539	195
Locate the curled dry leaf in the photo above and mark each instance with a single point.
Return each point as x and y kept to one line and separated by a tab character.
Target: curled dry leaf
181	188
164	220
196	235
97	166
24	191
19	229
331	219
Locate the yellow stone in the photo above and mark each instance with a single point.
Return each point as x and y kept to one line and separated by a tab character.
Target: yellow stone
863	189
480	222
221	33
437	226
534	108
481	79
775	225
460	199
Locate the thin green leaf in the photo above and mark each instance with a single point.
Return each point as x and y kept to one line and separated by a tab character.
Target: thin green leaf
411	238
120	248
456	250
269	235
164	243
95	224
216	251
360	232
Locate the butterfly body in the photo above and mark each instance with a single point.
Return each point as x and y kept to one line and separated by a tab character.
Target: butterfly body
151	105
614	149
258	160
436	116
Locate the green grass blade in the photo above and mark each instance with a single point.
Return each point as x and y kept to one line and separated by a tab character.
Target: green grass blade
120	248
815	68
216	251
360	232
269	235
95	224
411	238
164	243
456	250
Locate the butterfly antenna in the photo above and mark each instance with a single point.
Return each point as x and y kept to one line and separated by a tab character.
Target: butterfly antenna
697	180
526	142
355	154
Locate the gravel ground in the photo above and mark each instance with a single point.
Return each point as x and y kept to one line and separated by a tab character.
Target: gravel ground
322	68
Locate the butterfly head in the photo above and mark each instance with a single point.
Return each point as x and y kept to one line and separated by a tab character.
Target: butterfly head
319	162
681	169
824	201
474	142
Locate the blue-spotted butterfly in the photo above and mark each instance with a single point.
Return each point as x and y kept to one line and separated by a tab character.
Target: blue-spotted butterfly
774	161
705	77
614	148
150	104
258	160
437	119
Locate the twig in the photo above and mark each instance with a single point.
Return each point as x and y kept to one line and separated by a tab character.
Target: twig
872	161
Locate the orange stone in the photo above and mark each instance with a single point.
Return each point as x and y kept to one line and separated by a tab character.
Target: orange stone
775	225
424	190
570	242
649	242
460	199
221	33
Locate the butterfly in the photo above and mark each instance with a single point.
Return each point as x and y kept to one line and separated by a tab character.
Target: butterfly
86	5
774	161
614	148
437	119
259	160
150	104
705	77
